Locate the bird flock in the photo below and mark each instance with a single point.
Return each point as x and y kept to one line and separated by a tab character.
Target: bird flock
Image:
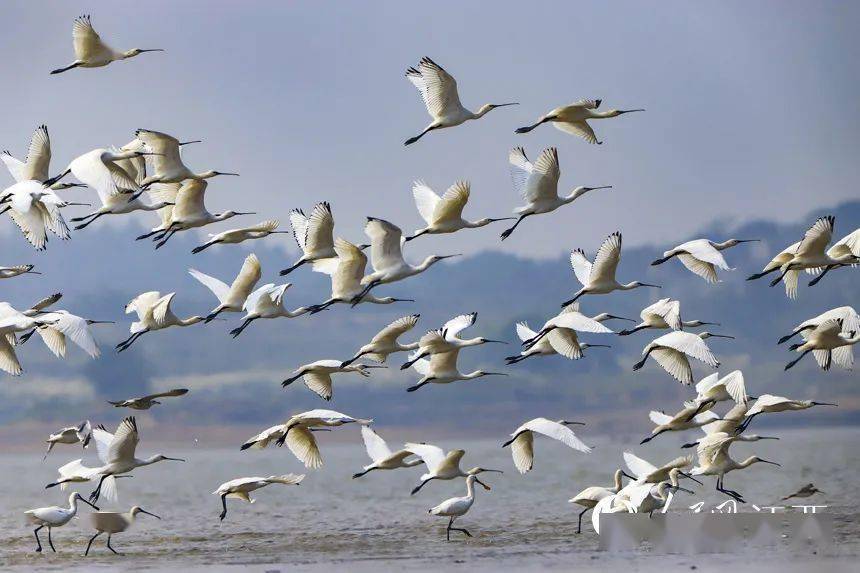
149	174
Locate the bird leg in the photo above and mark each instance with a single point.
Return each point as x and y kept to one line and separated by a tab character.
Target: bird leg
51	543
94	496
775	281
452	528
579	524
518	358
224	505
148	235
760	275
796	360
627	332
203	247
93	538
321	307
357	299
641	363
111	548
574	299
38	541
84	225
346	363
24	338
359	474
649	438
418	487
213	315
237	331
290	269
66	69
128	341
814	281
162	242
417	386
507	232
412	140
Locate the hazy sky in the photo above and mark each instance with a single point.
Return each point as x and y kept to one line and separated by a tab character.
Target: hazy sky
752	106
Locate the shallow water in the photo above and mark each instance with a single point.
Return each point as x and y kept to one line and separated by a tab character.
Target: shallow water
525	522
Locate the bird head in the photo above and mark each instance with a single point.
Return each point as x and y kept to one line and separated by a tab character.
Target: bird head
491	106
161	458
756	459
137	51
137	509
705	334
479	470
483	340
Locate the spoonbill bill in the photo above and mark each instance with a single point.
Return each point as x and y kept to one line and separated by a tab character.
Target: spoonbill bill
646	472
17	270
685	419
455	507
54	516
849	317
570	318
673	352
317	375
80	434
573	118
441	466
386	257
702	256
665	313
235	236
828	343
111	522
267	302
598	277
589	497
438	89
147	402
346	272
231	298
843	248
537	184
442	369
381	456
153	313
91	51
447	338
522	440
35	165
239	488
714	460
445	214
314	235
63	325
806	491
385	343
166	160
769	404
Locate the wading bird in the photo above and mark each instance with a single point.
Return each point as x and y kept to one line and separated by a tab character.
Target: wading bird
714	460
239	488
573	118
455	507
806	491
385	343
153	313
445	214
234	236
562	341
522	440
314	235
686	419
91	51
599	277
54	516
769	403
590	496
673	351
317	375
537	184
570	318
849	317
231	298
80	434
382	456
843	248
439	91
665	313
36	210
147	402
828	343
111	522
386	257
64	325
346	272
35	165
267	302
447	338
10	272
166	160
441	466
702	256
442	369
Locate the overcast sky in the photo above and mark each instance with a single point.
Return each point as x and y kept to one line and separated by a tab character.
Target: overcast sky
752	106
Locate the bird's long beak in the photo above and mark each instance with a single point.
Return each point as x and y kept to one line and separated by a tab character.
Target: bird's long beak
768	438
824	404
245	213
78	204
650	285
611	316
679	488
722	336
623	111
225	173
495	374
628	476
601	187
494	471
770	462
486	487
174	459
502	219
101	322
505	104
375	366
495	341
149	153
566	423
149	513
450	256
92	505
749	240
190	142
152	50
688	476
710	323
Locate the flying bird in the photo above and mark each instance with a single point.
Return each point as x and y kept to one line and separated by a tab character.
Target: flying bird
385	343
91	51
10	272
153	313
849	317
239	488
522	440
447	338
317	375
381	456
441	465
267	302
663	314
231	298
673	352
35	165
314	235
828	342
445	214
442	369
235	236
702	256
573	118
147	402
80	434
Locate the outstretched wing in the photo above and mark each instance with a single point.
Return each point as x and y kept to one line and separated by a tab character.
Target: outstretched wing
426	200
438	88
376	447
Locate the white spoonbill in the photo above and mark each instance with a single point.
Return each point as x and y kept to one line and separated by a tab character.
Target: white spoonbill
65	325
317	375
455	507
239	488
673	351
713	388
647	497
386	257
35	165
118	204
790	278
385	343
382	456
80	434
147	402
9	325
234	236
447	338
572	319
36	210
828	343
54	516
102	169
445	214
769	403
646	472
153	313
589	497
849	317
685	419
166	160
665	313
267	302
91	51
17	270
844	247
441	465
522	440
714	460
573	118
314	235
702	256
111	522
442	369
346	272
231	298
537	184
562	341
439	91
598	277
